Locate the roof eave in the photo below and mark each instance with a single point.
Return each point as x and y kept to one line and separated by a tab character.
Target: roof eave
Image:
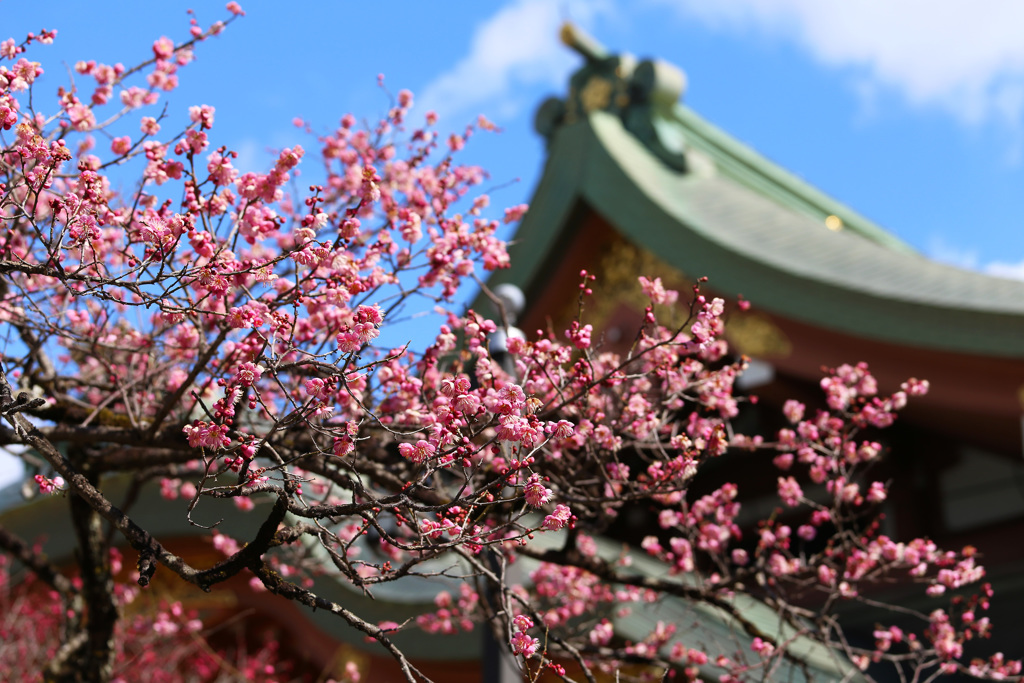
597	163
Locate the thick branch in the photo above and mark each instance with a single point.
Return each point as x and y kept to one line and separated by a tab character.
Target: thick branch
96	660
150	550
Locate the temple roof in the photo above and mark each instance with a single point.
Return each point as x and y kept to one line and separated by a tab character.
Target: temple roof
623	146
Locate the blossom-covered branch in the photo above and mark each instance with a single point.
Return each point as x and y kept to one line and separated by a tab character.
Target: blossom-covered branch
236	337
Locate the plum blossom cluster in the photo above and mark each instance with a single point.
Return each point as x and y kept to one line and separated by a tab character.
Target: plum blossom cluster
522	643
235	339
165	638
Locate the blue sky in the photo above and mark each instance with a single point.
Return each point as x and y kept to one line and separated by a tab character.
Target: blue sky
910	111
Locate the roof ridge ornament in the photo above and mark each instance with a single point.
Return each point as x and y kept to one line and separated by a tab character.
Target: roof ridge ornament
643	95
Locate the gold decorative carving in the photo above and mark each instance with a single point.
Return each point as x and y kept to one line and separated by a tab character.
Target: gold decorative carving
751	333
164	588
345	654
754	334
596	94
617	271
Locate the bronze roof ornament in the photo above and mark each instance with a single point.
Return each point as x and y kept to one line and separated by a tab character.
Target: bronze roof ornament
642	94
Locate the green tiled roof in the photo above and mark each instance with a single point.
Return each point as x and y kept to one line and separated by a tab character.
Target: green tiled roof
756	230
623	146
743	165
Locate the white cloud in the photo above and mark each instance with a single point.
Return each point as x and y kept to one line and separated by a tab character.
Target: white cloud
1011	271
942	251
516	48
967	58
968	259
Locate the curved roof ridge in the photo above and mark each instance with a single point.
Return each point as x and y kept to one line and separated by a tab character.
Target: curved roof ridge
748	167
751	225
779	257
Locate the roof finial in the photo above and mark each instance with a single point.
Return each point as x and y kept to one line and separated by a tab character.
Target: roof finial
582	42
641	96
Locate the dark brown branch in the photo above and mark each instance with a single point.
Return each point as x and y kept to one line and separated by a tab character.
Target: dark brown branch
275	584
171	401
37	562
150	550
95	661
